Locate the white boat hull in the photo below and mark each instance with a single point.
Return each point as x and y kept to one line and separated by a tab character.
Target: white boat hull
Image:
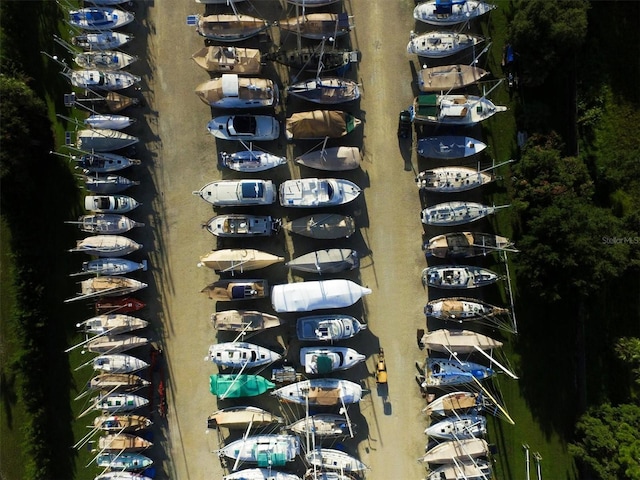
107	246
118	363
328	328
308	296
441	14
241	355
322	360
251	161
320	392
317	192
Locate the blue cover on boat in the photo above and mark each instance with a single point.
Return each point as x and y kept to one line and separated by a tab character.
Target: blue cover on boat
252	190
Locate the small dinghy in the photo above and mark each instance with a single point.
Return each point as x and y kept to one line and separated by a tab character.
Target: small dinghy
109	286
459	427
315	295
118	363
104	140
106	246
238	260
223	59
251	161
458	341
109	121
110	266
320	124
104	162
230	27
457	450
458	276
115	343
121	423
260	474
318	26
453	402
452	179
334	460
102	80
466	245
232	91
239	418
275	449
98	19
326	90
241	355
123	442
323	360
323	226
234	290
332	260
440	44
332	159
450	12
449	77
112	323
117	381
110	203
239	225
119	402
449	147
320	392
450	214
123	461
244	321
106	223
101	41
452	109
317	192
462	309
107	60
462	469
442	372
222	193
323	426
328	328
106	184
237	386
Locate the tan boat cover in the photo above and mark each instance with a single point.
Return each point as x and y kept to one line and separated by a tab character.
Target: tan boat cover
228	59
215	89
320	124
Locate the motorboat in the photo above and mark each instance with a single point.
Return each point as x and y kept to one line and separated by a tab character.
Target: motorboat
315	474
442	372
112	323
457	450
450	214
315	295
334	460
323	426
462	469
318	26
106	184
238	192
119	402
123	442
320	124
250	128
311	59
115	343
107	60
466	245
230	27
328	328
458	341
241	355
277	450
449	147
101	41
110	203
453	109
462	309
108	286
121	423
239	225
449	77
440	44
106	223
98	19
453	402
236	386
450	12
119	304
227	59
332	159
110	266
322	360
106	246
323	226
117	381
251	160
260	474
238	260
244	321
118	363
232	91
452	179
326	90
109	121
239	418
317	192
320	392
458	276
123	461
232	290
331	260
458	427
103	140
102	80
104	162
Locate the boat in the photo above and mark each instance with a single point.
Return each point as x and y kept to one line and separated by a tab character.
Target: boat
121	423
241	355
238	192
326	90
312	3
233	290
317	192
237	386
238	260
458	276
120	381
320	124
462	309
120	305
123	461
334	460
450	12
115	343
458	341
331	260
103	140
449	147
323	426
106	246
308	59
452	179
457	450
225	59
104	60
110	203
321	392
465	245
110	266
106	3
323	226
453	402
451	109
332	159
450	214
239	418
240	225
118	363
244	321
442	372
112	323
106	223
214	2
251	160
110	286
102	80
123	442
121	475
119	402
230	27
315	474
322	360
458	427
314	295
101	41
232	91
109	121
265	450
106	184
462	470
260	474
449	77
328	328
98	19
245	127
440	44
318	26
104	162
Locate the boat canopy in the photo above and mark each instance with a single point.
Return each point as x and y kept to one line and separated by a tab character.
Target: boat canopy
252	190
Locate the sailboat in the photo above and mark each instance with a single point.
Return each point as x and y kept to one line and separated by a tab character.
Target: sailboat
260	474
121	423
115	343
318	25
238	260
323	426
441	372
227	59
108	286
109	121
454	450
104	162
458	427
104	140
232	91
250	160
110	266
462	309
450	214
466	245
102	80
458	276
230	27
123	442
320	392
334	460
458	341
101	41
99	18
315	295
326	90
451	12
331	260
323	226
105	223
452	179
106	184
332	159
106	60
449	147
111	323
244	321
240	385
453	109
265	450
320	124
241	417
241	355
449	77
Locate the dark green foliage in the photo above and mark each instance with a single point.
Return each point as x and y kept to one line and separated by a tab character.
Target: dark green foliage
628	350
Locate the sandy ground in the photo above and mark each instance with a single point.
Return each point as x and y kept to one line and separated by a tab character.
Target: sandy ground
181	157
